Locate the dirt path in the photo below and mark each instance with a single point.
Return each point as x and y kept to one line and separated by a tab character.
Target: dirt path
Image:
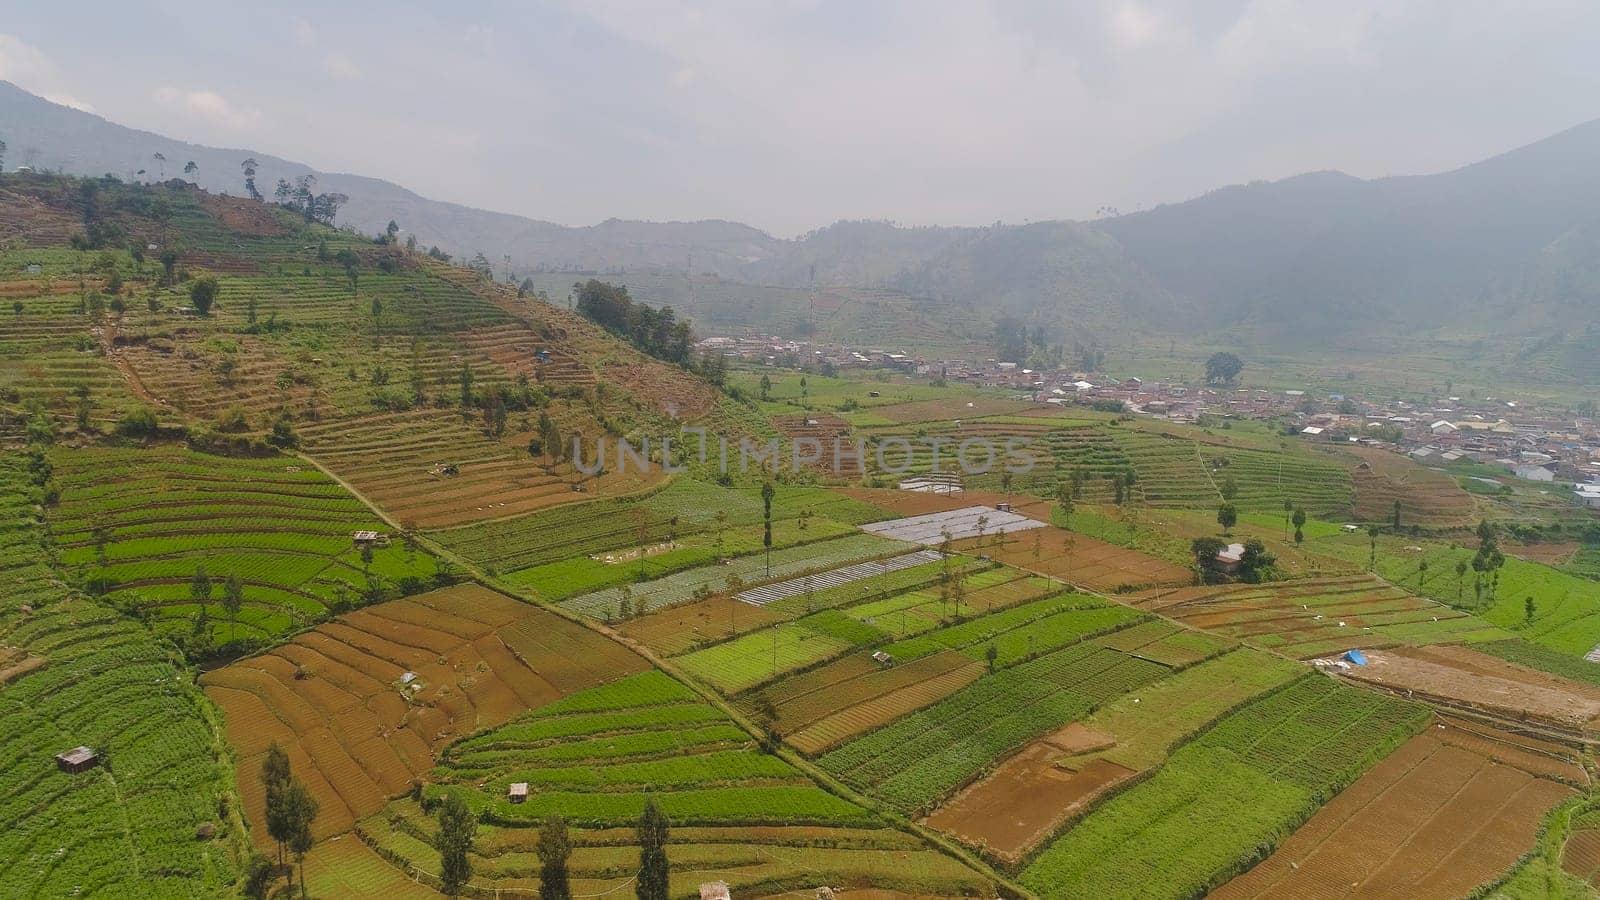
107	336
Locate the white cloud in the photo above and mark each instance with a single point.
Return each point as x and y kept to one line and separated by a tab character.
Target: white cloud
29	68
209	107
305	34
341	67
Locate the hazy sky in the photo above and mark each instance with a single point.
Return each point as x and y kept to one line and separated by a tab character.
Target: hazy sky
789	115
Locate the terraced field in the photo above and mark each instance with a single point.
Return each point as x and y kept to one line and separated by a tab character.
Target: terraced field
359	732
736	813
399	461
49	352
1449	811
1278	755
137	524
921	758
1320	616
661	521
105	683
1058	777
1428	497
1566	608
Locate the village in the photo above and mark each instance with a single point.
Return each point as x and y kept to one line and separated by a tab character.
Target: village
1528	442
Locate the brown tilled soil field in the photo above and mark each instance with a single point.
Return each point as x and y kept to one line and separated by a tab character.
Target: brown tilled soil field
1030	794
1551	553
678	629
1309	617
1078	559
1451	809
1581	854
1456	676
358	732
829	705
396	460
1427	497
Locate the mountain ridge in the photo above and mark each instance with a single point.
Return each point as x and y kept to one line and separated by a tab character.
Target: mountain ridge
1311	257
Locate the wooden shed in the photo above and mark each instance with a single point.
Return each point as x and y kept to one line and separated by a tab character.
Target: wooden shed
518	792
78	759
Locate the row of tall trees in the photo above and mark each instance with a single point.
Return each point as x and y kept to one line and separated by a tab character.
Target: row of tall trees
290	811
458	833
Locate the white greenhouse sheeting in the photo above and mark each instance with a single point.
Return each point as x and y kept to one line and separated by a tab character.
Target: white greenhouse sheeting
960	523
794	587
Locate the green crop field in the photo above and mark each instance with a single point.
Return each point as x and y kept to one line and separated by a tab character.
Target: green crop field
683	509
1022	631
595	757
920	759
1175	707
107	684
276	523
764	655
1261	770
1566	608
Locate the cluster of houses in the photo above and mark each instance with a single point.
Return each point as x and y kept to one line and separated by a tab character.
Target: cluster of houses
1528	443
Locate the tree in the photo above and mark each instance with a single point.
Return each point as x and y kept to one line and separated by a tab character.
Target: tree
169	267
351	263
1299	525
1064	503
766	388
1528	609
1223	368
550	436
652	831
1255	563
1461	574
391	231
1372	536
189	168
233	601
300	810
2	156
275	776
554	848
1205	549
200	587
1394	517
203	293
990	655
161	164
457	831
84	407
1230	488
767	492
1227	517
248	166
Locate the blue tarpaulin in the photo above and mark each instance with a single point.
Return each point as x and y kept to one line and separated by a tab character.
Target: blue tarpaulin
1355	657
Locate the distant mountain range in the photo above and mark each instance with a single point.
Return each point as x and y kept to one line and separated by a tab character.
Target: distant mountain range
1510	245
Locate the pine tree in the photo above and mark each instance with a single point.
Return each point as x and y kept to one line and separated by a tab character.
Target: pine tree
275	778
300	810
554	848
652	883
457	831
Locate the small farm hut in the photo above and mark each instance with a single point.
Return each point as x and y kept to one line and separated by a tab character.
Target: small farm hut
715	890
518	792
78	759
